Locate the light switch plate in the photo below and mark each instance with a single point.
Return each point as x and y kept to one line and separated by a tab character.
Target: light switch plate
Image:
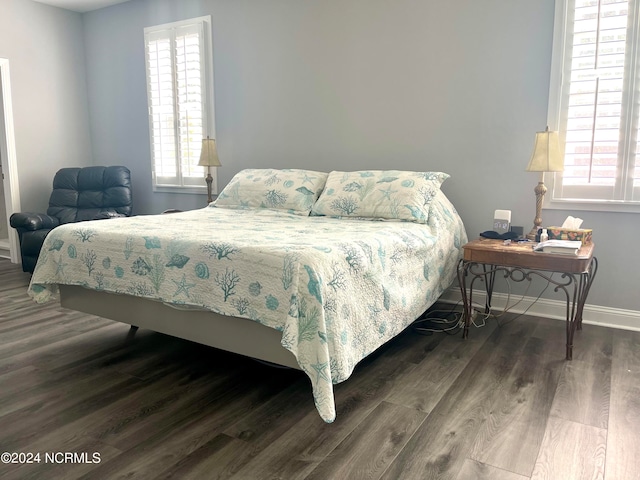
502	221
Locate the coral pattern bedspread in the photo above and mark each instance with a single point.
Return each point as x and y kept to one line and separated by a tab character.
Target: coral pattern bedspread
337	289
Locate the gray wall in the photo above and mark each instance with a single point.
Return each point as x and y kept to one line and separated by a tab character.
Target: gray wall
454	86
460	87
44	46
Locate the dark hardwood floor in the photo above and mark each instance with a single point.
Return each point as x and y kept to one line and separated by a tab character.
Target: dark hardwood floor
502	405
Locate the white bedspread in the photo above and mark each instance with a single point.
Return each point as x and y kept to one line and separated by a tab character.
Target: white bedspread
337	289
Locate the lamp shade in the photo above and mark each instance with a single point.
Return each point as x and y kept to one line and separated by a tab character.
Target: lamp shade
547	155
209	154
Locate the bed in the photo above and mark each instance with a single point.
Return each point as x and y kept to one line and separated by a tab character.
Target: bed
304	269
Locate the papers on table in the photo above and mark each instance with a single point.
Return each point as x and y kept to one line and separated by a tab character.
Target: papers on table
562	247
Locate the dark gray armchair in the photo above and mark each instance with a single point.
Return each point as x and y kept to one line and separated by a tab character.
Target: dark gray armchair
79	194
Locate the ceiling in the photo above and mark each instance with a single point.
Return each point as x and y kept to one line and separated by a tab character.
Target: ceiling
81	5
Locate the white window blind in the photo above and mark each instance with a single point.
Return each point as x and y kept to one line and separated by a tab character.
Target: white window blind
599	101
177	86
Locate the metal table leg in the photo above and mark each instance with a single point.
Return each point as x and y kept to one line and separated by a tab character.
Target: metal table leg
574	286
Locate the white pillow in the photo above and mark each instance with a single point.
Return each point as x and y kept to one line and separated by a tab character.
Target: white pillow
291	190
379	194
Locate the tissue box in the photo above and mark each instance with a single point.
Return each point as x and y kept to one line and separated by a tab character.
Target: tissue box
559	233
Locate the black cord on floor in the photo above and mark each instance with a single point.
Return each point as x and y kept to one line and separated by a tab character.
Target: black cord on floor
439	321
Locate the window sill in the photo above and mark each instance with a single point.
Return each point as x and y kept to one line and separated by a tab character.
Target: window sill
187	190
592	206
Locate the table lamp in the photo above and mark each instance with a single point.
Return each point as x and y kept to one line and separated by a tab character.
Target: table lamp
209	158
546	157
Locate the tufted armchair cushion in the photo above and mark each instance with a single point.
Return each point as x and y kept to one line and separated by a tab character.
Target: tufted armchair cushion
78	194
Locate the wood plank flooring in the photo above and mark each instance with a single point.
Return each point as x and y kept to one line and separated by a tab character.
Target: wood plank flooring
501	405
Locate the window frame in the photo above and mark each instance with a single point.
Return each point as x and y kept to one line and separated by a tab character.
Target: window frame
560	71
208	104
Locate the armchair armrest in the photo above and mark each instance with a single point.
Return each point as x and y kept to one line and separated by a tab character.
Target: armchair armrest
33	221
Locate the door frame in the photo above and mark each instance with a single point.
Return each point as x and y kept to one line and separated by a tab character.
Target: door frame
8	157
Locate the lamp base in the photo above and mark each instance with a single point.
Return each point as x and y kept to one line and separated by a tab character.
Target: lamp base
209	181
540	190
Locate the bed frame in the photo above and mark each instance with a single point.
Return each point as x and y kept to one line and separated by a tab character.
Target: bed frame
233	334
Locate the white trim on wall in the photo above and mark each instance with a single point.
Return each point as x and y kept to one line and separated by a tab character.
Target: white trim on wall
555	309
8	153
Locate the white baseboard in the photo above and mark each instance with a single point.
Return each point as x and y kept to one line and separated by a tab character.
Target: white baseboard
556	309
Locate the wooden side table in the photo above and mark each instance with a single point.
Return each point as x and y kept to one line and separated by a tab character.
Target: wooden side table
484	257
